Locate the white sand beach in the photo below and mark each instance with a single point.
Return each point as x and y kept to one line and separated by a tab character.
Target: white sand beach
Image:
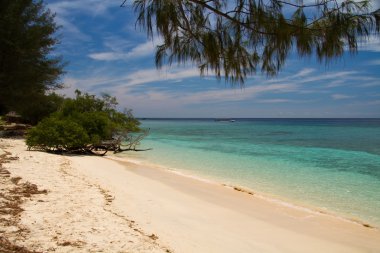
100	204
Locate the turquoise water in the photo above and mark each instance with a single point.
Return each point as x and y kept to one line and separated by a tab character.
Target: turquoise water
331	164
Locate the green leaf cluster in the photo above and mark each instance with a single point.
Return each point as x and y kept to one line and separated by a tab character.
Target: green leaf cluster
237	38
81	123
60	134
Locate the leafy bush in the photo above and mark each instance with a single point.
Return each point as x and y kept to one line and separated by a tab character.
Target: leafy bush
81	124
53	133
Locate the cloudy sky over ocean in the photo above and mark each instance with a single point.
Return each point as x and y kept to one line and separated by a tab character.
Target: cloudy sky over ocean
106	53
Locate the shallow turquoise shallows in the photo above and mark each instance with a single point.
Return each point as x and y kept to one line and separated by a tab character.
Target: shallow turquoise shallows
329	164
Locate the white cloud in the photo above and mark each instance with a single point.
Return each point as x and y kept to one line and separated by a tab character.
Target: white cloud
372	43
92	7
328	76
274	101
304	72
289	84
374	62
279	101
106	56
117	53
230	95
370	83
374	102
154	75
123	83
70	29
335	83
207	96
117	43
340	96
170	101
180	98
307	75
144	49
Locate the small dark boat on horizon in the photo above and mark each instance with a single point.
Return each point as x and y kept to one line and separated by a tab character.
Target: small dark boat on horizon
224	120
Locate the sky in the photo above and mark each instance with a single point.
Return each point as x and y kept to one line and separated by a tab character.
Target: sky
106	53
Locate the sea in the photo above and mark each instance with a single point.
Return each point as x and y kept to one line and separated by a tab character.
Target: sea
328	165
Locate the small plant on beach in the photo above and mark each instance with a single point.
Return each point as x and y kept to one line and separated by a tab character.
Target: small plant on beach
85	124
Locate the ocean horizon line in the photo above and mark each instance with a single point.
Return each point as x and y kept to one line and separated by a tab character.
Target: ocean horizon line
254	118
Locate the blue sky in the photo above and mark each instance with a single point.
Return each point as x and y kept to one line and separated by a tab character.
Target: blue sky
105	53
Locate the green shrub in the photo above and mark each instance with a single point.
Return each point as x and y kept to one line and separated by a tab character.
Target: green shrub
53	133
80	124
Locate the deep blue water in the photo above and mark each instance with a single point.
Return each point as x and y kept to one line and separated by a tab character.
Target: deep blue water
331	164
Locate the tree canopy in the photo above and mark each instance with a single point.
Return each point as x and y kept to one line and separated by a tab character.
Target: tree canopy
28	70
237	38
82	125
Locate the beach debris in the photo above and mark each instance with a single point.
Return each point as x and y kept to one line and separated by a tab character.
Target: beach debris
77	244
367	225
239	189
12	195
8	247
15	180
153	237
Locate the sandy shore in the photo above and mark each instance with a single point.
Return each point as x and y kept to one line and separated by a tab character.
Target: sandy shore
96	204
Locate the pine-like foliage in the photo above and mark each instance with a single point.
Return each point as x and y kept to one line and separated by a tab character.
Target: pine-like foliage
27	68
236	38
